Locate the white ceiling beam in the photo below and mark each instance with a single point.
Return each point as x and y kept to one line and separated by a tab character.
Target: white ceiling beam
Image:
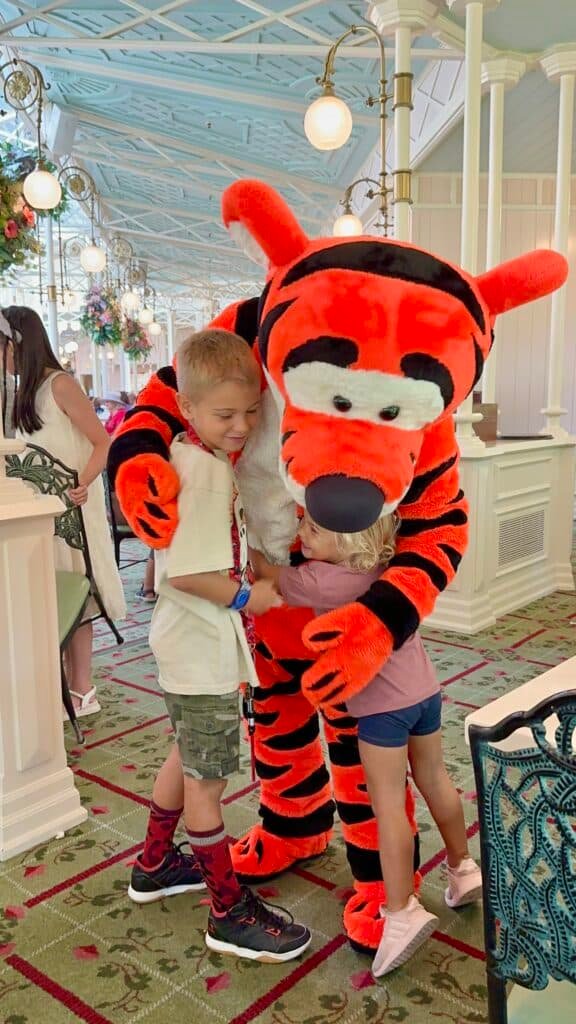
188	185
229	94
271	173
273	16
33	14
38	12
141	20
152	15
281	17
218	48
176	211
180	243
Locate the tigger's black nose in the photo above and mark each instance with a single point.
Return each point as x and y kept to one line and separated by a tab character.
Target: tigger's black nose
344	504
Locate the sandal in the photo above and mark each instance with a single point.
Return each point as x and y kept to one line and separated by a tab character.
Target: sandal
89	705
149	595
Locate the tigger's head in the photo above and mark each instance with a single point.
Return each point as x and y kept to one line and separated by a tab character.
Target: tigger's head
365	342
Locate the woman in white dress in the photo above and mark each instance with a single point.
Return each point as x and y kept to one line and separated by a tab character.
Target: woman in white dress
51	410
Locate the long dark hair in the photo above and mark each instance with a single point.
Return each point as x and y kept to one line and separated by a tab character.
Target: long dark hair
32	356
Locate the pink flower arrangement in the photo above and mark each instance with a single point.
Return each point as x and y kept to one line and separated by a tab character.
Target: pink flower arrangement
135	340
11	229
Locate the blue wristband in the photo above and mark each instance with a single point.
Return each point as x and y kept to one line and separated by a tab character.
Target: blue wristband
241	597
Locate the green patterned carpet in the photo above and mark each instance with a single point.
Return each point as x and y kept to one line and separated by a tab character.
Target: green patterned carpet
75	948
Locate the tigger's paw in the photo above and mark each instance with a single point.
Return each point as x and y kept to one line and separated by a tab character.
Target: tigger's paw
259	855
363	922
147	488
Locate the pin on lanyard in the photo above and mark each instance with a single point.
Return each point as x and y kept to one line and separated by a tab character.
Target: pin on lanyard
250	717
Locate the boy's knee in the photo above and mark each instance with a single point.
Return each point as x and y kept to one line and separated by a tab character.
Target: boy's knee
204	788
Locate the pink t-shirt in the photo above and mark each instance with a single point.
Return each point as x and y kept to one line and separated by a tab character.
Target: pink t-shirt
408	676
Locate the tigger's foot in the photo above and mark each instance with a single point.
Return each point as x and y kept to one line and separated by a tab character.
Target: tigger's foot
363	923
259	855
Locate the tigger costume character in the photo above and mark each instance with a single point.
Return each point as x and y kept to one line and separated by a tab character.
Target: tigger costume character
368	346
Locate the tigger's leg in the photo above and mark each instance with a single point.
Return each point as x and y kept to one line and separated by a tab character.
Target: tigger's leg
362	921
296	805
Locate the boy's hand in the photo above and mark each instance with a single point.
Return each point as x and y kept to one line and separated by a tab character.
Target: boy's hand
263	597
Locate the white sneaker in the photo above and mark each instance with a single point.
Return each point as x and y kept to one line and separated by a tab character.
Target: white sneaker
464	884
404	932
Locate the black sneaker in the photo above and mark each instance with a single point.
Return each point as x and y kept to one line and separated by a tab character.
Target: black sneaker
178	873
256	931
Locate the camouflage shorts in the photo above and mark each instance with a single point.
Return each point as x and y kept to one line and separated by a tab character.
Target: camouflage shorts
207	729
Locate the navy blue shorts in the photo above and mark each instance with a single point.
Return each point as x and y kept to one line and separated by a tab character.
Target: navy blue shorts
393	728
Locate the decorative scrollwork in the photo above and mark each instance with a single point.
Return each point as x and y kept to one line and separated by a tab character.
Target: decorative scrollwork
24	85
527	801
50	476
78	183
121	249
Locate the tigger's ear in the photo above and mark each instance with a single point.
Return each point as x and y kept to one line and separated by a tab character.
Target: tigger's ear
262	224
522	280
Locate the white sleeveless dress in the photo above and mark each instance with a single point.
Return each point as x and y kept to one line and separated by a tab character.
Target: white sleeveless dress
61	438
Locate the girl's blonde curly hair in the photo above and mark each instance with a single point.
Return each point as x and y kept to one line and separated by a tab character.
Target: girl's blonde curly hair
369	548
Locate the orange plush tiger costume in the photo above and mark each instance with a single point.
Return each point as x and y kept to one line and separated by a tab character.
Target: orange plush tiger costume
368	346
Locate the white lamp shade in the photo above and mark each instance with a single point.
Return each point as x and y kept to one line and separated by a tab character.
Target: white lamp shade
130	301
155	329
110	356
93	259
347	224
42	190
70	347
328	123
146	316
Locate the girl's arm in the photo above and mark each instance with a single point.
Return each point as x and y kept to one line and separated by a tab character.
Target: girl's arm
71	399
263	569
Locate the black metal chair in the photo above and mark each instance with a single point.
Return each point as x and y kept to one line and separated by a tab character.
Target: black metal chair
118	526
527	813
48	475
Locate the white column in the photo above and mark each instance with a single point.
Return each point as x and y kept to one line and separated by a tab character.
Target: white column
560	65
96	378
51	285
170	334
103	369
465	418
38	798
500	74
403	18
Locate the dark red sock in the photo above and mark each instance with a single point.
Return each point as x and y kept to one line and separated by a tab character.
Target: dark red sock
212	851
162	825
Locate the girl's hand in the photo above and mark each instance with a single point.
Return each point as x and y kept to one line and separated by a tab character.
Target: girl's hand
78	495
263	597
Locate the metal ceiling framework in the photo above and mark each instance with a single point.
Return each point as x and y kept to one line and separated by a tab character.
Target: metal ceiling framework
172	101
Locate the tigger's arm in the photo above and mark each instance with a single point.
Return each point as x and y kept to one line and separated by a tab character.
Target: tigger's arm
356	640
139	461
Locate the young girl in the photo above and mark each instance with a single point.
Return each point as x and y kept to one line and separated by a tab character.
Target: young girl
398	722
51	410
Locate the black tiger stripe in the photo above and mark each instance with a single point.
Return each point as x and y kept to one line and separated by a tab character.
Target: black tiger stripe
421	366
393	608
270	771
266	328
133	443
410	560
344	753
313	783
262	301
313	824
457	497
176	425
412	527
423	480
296	739
264	651
286	436
365	864
453	556
147	529
167	375
246	325
154	509
354	814
325	349
266	717
289	689
387	259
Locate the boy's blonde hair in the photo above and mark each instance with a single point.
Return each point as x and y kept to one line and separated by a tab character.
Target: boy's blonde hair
210	357
369	548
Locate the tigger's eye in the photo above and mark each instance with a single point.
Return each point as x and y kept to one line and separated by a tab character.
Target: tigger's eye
391	412
341	404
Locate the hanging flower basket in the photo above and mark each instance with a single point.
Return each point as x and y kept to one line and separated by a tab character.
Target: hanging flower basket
18	163
101	318
135	341
17	221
